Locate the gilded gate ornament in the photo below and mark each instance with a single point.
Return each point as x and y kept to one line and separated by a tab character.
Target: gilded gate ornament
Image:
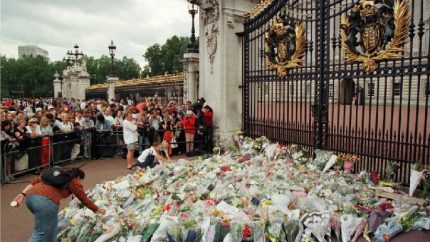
374	31
285	46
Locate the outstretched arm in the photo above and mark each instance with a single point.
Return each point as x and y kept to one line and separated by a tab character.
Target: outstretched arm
76	187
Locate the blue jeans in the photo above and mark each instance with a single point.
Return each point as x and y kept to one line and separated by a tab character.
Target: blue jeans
46	218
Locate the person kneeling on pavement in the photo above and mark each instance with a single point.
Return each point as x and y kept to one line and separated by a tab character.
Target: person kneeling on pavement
153	155
43	198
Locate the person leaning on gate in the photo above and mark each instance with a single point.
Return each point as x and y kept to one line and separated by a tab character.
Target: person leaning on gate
43	201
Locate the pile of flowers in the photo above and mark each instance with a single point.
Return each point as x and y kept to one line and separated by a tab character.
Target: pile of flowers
256	191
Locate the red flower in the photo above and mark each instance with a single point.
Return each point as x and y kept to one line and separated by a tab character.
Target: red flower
247	232
167	207
374	177
385	205
225	224
225	168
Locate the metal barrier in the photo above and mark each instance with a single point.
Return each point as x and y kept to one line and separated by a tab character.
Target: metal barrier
34	155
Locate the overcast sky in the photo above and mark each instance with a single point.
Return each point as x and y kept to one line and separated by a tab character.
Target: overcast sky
56	25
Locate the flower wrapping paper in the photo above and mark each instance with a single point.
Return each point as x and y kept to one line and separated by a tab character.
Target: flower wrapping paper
220	197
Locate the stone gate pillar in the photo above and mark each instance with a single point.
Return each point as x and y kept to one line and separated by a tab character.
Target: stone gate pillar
191	78
74	84
84	80
111	87
57	85
220	70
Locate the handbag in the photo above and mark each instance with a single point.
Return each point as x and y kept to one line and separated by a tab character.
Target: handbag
21	163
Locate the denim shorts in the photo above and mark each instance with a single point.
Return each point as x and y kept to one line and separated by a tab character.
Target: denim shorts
132	146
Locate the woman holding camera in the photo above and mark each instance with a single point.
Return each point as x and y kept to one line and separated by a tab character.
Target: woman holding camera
189	123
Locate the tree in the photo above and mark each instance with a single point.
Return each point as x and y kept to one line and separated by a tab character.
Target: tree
165	58
172	53
127	68
99	69
30	76
33	76
155	59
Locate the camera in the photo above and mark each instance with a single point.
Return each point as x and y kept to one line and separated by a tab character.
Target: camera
198	105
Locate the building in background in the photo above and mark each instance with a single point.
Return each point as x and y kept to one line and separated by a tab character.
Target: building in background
32	50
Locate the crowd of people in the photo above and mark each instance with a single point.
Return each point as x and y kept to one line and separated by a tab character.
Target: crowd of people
69	123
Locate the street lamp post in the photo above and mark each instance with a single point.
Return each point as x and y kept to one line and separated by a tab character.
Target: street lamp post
112	78
74	57
112	50
193	47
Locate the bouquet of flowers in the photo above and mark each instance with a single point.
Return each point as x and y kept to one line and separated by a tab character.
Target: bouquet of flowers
417	171
346	162
226	198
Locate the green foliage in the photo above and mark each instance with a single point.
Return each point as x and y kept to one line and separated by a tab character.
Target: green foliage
33	76
165	58
126	68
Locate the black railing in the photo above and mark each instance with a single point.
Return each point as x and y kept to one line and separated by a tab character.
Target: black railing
41	153
382	116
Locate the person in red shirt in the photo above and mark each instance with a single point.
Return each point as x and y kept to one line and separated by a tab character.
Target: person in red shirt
189	123
208	116
43	201
8	103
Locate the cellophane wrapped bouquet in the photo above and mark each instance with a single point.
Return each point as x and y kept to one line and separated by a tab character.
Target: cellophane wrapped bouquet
264	192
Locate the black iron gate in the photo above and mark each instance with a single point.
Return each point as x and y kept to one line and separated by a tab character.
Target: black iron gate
378	109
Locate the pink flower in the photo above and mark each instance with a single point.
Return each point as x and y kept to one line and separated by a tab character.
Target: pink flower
210	202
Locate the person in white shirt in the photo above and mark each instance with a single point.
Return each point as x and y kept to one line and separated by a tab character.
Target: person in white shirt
108	115
83	105
33	128
152	156
79	117
155	122
130	102
66	126
118	120
130	137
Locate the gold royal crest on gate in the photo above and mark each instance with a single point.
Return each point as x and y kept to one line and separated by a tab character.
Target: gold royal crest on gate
374	31
284	46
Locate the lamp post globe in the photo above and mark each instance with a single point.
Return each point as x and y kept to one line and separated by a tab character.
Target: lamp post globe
112	50
192	46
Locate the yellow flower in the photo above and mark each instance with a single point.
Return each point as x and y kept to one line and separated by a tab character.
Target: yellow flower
266	203
271	238
217	212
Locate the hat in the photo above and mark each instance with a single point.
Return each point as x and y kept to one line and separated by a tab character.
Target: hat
38	109
50	107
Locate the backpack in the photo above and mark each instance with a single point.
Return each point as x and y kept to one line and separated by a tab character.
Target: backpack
57	177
